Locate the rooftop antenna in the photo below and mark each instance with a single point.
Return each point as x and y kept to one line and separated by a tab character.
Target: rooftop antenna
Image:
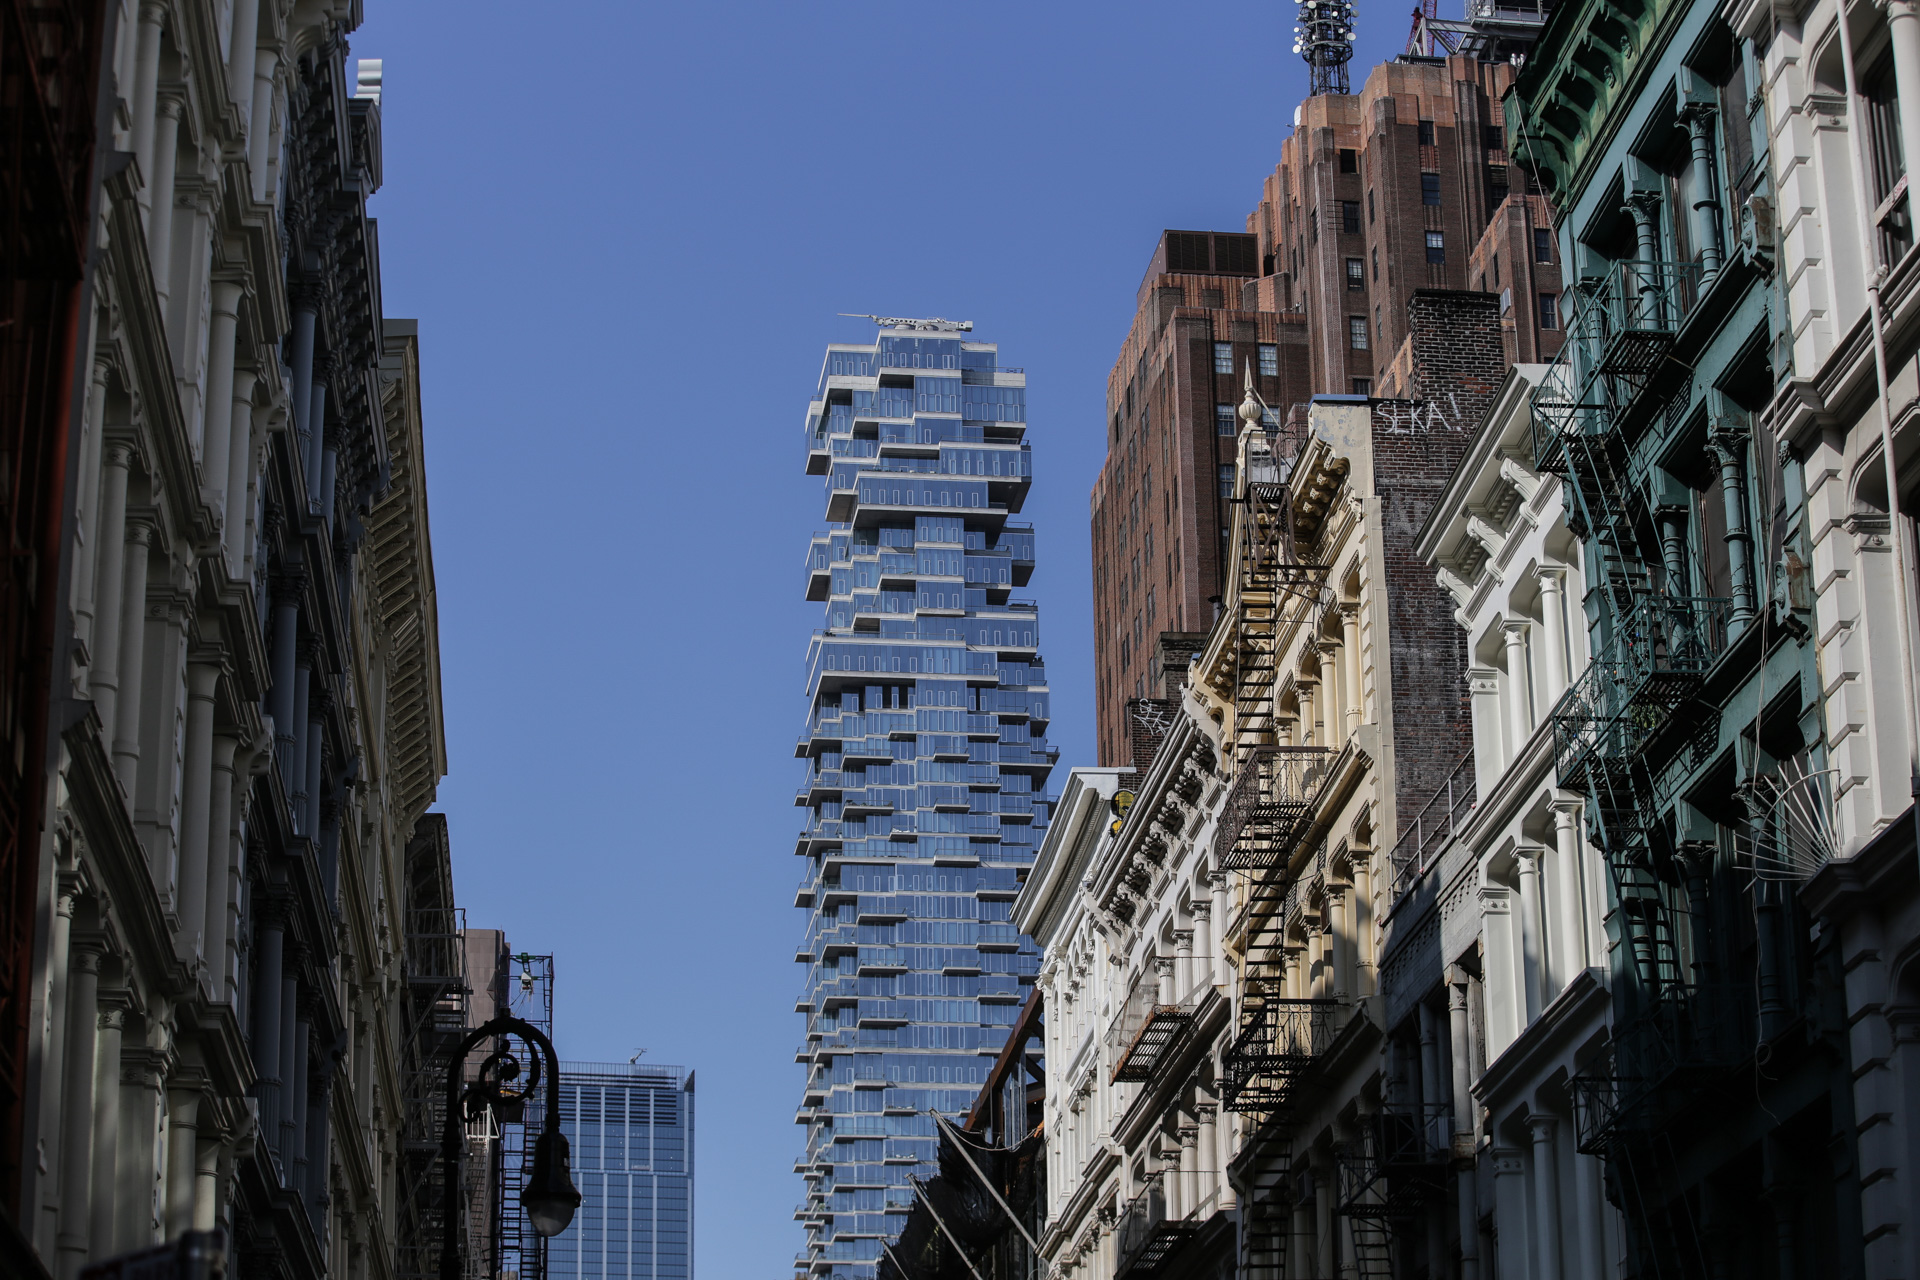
637	1055
1324	36
938	324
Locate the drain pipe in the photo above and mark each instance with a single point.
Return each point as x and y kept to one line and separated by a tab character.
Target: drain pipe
1903	586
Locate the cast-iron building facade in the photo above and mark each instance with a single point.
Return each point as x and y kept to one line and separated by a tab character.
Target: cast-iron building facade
925	787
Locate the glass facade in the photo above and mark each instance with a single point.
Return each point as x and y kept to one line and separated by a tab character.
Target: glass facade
926	779
631	1130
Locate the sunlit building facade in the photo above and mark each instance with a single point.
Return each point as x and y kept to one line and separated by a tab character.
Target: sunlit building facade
630	1127
927	762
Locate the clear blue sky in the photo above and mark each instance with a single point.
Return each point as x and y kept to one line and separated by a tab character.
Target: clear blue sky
625	230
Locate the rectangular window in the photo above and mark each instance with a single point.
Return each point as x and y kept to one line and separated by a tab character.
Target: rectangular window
1429	188
1226	479
1357	332
1426	133
1436	246
1496	271
1349	160
1498	185
1369	206
1550	311
1356	273
1542	245
1269	360
1493	137
1270	419
1376	262
1350	216
1363	386
1223	423
1223	357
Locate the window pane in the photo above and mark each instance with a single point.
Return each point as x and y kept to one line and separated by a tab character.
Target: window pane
1356	273
1436	246
1542	245
1223	357
1349	160
1350	215
1269	360
1426	133
1223	420
1429	188
1363	386
1357	332
1550	311
1226	479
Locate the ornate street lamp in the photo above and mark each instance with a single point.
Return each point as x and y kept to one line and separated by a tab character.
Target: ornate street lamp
550	1197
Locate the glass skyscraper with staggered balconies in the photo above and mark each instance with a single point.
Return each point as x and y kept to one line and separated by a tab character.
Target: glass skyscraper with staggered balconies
927	761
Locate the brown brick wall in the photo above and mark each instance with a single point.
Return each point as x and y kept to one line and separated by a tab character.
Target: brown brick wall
1458	362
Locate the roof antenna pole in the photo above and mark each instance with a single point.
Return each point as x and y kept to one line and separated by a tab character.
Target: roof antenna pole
1324	37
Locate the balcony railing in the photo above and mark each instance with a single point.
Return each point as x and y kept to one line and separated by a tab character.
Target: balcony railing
1148	1028
1278	1042
1616	339
1148	1237
1434	827
1396	1164
1661	1059
1267	808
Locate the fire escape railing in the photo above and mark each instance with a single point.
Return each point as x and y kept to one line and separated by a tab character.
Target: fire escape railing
1266	809
1434	827
1278	1041
1148	1237
1148	1028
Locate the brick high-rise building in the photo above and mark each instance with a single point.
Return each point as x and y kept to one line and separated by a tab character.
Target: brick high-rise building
1383	192
1402	186
1159	510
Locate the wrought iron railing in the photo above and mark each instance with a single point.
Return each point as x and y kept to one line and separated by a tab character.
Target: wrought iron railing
1147	1027
1396	1163
1660	1059
1266	808
1278	1041
1148	1236
1434	827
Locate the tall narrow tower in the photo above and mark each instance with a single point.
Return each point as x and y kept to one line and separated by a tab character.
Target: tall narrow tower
1324	37
927	762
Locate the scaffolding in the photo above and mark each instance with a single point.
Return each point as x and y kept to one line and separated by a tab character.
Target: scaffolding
520	1253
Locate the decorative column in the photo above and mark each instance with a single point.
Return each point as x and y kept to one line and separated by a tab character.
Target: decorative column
233	533
1546	1192
1644	208
280	699
1312	731
297	773
146	85
110	533
1202	974
260	120
1533	940
1698	117
306	310
166	148
1489	751
1364	977
1350	654
76	1110
1323	1214
293	1121
1339	942
133	634
1553	582
1519	680
1163	970
219	855
85	603
1505	997
269	940
1182	964
1510	1212
241	57
59	957
319	702
1217	883
1212	1169
183	1153
1568	892
314	442
1465	1180
1189	1171
196	794
102	1225
216	435
1728	444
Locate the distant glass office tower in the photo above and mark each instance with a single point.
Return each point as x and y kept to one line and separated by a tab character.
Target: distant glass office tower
631	1130
927	768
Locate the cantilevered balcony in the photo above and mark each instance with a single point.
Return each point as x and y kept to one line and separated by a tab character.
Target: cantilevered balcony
1397	1162
1149	1027
1149	1239
1266	811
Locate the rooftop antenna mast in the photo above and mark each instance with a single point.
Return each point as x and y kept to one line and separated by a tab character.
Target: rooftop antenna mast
1324	36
